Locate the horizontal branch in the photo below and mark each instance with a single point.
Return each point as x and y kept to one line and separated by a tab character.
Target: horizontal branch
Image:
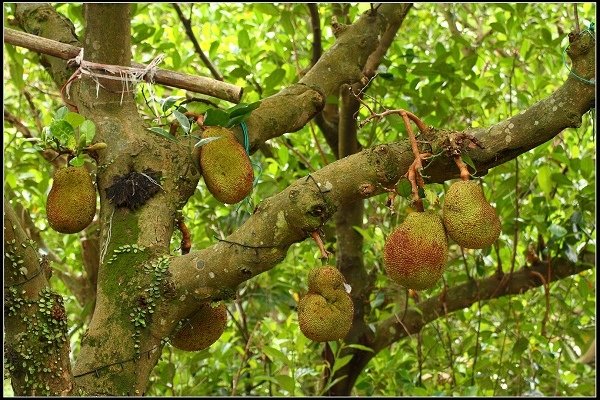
197	84
465	295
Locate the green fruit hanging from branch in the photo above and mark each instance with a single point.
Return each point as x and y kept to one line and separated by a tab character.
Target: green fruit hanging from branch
325	313
225	166
71	203
416	252
469	219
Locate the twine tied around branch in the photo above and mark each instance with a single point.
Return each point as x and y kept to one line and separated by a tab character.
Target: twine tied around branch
127	75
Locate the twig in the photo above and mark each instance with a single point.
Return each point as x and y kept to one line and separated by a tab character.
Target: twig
298	154
317	48
547	295
477	337
319	148
236	378
317	238
187	24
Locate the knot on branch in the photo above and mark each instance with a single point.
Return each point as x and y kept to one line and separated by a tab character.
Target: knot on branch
337	28
309	208
455	141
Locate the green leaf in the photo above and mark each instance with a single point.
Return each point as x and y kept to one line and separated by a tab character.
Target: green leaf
275	78
275	354
498	27
63	132
266	8
404	187
242	108
74	119
61	113
520	346
361	347
544	178
184	122
204	141
243	39
286	382
214	46
77	161
286	22
557	230
468	160
216	117
169	101
162	132
386	75
340	362
87	131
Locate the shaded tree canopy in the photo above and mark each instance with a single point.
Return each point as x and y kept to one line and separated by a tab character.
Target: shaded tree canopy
353	116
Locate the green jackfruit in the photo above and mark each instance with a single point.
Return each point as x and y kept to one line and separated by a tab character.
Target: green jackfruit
202	329
416	252
71	203
469	219
325	280
225	166
325	313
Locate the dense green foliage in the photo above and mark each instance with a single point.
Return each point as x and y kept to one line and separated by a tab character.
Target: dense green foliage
500	59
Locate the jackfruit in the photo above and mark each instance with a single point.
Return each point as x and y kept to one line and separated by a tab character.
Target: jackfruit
416	252
325	313
469	219
225	166
71	203
203	328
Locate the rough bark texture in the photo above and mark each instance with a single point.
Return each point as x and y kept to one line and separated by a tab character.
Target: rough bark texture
143	292
36	345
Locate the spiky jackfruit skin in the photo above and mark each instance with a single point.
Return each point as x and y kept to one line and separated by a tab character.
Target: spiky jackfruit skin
325	313
71	202
325	280
203	329
416	252
469	219
225	166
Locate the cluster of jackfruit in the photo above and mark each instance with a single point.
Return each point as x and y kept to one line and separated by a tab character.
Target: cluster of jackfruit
71	202
225	166
202	329
325	313
416	252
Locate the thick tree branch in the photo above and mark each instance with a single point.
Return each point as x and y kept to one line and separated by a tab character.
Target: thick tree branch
187	24
290	109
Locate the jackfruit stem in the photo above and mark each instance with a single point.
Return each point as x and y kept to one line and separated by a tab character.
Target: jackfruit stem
186	237
317	238
464	171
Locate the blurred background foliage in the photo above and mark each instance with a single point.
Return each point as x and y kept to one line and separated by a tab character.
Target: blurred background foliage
455	66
